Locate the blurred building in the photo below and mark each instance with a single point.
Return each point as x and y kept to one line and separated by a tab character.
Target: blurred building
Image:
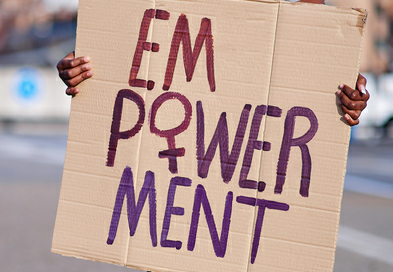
377	55
33	33
34	36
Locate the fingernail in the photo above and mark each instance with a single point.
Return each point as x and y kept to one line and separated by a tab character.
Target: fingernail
363	89
338	92
86	59
87	66
347	117
341	86
339	102
89	74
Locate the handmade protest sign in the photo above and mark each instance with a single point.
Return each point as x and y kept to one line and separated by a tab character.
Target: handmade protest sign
209	138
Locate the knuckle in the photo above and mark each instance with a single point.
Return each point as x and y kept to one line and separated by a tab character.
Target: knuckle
352	95
71	63
72	82
351	105
86	75
62	75
69	73
84	68
65	74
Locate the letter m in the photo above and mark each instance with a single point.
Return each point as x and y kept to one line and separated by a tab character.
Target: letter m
190	57
126	187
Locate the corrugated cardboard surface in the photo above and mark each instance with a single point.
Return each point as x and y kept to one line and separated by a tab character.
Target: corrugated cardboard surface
269	53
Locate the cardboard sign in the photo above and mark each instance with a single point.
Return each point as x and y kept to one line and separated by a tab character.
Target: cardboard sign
209	138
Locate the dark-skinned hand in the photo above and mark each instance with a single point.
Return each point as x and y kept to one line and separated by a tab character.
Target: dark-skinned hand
353	102
73	71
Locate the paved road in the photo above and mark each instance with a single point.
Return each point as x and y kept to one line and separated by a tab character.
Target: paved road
365	238
30	176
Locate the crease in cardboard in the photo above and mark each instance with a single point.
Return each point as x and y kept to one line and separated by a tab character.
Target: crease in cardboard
287	241
89	205
313	209
263	124
136	176
90	174
88	113
106	81
85	142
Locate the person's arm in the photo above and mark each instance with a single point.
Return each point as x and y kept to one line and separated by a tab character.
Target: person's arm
73	71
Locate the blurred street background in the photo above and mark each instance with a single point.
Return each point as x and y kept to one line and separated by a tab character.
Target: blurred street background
36	34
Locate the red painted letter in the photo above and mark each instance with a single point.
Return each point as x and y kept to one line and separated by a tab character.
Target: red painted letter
115	129
143	45
190	57
172	152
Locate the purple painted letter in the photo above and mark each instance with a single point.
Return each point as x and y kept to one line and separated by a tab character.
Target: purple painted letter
288	142
115	128
253	143
126	187
172	210
219	245
172	152
220	137
262	205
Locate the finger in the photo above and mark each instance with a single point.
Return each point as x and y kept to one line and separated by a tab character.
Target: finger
351	121
354	114
351	103
70	61
355	95
72	82
73	72
72	91
350	93
361	84
61	64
